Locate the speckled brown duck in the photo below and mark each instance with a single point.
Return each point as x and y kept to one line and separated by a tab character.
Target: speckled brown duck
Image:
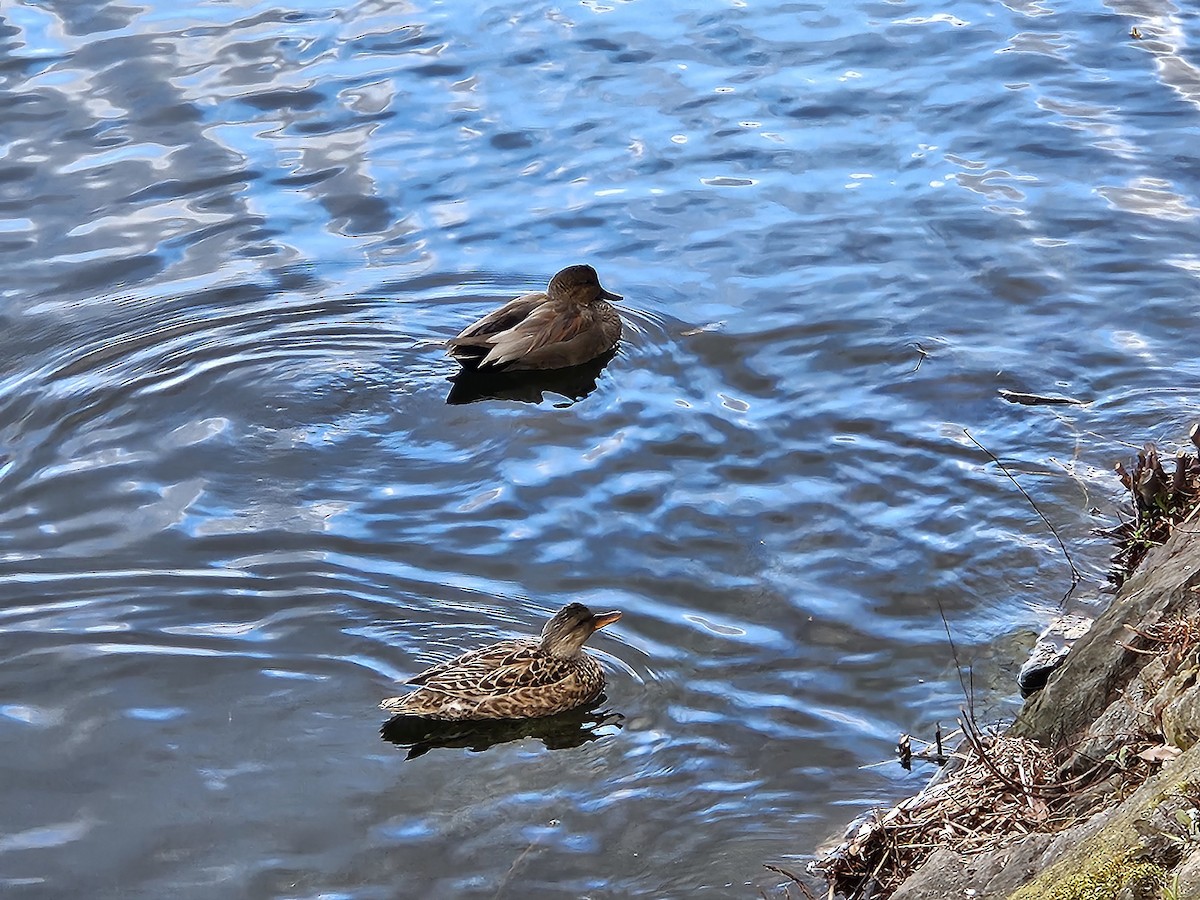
568	324
521	679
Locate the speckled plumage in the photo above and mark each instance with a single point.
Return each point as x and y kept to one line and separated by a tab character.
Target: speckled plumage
568	324
513	679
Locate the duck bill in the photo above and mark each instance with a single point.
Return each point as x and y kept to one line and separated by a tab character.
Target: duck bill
609	295
602	619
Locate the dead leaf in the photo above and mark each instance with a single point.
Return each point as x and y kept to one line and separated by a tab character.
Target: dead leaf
1161	753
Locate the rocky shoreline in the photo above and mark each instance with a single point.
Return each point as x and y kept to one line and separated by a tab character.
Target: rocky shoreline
1094	791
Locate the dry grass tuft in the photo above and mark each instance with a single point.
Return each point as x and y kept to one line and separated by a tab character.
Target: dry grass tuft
1162	501
1004	788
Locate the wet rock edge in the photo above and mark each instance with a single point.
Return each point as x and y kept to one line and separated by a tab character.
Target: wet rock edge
1122	717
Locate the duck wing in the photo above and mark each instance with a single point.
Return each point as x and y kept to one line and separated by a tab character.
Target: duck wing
505	680
476	335
551	336
474	667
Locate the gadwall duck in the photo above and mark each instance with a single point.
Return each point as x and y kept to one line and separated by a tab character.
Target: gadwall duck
567	324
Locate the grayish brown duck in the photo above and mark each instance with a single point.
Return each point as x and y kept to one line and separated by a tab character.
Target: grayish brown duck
521	679
567	324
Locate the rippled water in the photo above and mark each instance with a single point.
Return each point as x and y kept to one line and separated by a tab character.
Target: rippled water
235	505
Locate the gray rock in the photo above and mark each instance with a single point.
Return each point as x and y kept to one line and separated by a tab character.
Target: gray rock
997	873
1187	877
1098	667
1181	715
1104	699
1050	651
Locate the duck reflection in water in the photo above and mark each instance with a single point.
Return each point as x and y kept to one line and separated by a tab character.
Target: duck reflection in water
574	728
574	383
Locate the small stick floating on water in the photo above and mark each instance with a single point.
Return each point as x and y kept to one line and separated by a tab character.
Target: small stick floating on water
921	358
1039	399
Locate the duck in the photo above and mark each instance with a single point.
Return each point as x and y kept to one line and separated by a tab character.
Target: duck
515	679
568	324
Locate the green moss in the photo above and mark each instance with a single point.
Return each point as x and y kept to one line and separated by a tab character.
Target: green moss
1105	879
1189	789
1109	880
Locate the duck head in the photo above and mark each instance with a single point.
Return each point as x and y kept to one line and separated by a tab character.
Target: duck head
565	633
580	284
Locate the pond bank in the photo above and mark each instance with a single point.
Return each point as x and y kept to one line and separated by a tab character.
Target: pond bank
1094	791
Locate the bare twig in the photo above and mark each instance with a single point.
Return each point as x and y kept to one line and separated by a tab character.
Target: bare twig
920	359
791	876
513	868
1076	576
970	700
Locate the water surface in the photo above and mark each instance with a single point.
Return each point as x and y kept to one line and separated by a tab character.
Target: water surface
235	505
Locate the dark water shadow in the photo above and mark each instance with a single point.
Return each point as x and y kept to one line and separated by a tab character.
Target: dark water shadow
574	383
570	729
